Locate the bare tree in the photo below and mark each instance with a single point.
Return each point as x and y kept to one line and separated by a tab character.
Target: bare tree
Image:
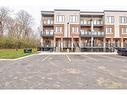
4	14
25	21
18	28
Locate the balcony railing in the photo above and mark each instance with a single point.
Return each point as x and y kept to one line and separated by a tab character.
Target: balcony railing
48	45
99	45
118	44
85	23
48	33
84	33
66	45
46	22
125	44
88	23
97	23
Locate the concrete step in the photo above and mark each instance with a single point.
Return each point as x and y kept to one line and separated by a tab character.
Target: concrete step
77	49
57	49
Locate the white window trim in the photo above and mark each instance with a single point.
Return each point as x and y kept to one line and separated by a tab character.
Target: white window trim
60	18
73	18
109	30
123	19
110	19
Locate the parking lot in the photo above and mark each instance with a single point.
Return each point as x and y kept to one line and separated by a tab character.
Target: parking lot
65	72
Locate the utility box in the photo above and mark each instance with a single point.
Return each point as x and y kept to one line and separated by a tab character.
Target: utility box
67	50
27	50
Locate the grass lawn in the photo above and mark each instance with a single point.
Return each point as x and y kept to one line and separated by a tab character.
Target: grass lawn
12	53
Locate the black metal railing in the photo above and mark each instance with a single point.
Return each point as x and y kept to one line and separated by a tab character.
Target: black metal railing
92	34
88	23
49	33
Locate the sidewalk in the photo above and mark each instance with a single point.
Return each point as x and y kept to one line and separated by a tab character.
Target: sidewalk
76	53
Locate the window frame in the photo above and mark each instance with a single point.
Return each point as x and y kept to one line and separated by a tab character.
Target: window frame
110	19
59	18
73	18
109	30
123	19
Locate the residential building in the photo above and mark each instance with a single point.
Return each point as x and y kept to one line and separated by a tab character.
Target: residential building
75	30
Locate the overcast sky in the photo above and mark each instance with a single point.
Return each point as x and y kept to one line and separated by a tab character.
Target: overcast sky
35	6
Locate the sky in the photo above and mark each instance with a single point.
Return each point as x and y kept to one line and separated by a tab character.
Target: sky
34	7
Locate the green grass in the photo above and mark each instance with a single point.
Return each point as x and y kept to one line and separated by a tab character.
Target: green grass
12	53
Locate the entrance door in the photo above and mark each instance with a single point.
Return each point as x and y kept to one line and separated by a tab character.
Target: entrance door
67	43
47	43
76	42
117	43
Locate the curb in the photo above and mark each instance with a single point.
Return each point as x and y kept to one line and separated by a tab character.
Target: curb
17	58
76	53
63	53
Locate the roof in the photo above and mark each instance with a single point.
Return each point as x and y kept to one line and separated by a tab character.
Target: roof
47	12
91	12
66	10
115	10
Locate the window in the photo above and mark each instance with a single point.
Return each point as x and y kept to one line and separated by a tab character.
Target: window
123	19
83	22
73	18
110	19
94	22
59	18
58	29
75	29
124	30
48	21
44	21
109	30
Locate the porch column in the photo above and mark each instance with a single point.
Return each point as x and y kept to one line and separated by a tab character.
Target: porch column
72	44
112	46
121	42
41	42
54	42
79	42
92	33
61	44
112	42
104	44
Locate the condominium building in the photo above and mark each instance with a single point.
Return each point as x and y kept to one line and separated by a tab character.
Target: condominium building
75	30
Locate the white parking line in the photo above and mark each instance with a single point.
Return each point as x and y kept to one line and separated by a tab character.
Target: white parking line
68	58
45	58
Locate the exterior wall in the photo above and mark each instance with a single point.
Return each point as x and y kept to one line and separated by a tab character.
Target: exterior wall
67	23
116	22
123	35
110	35
67	36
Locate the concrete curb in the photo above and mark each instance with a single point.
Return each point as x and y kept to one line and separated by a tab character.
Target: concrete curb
17	58
63	53
76	53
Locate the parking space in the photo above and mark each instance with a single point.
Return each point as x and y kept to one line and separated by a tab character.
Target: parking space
65	71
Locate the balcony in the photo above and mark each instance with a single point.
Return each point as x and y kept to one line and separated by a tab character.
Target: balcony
95	23
48	33
98	23
48	23
65	45
85	23
84	33
95	45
